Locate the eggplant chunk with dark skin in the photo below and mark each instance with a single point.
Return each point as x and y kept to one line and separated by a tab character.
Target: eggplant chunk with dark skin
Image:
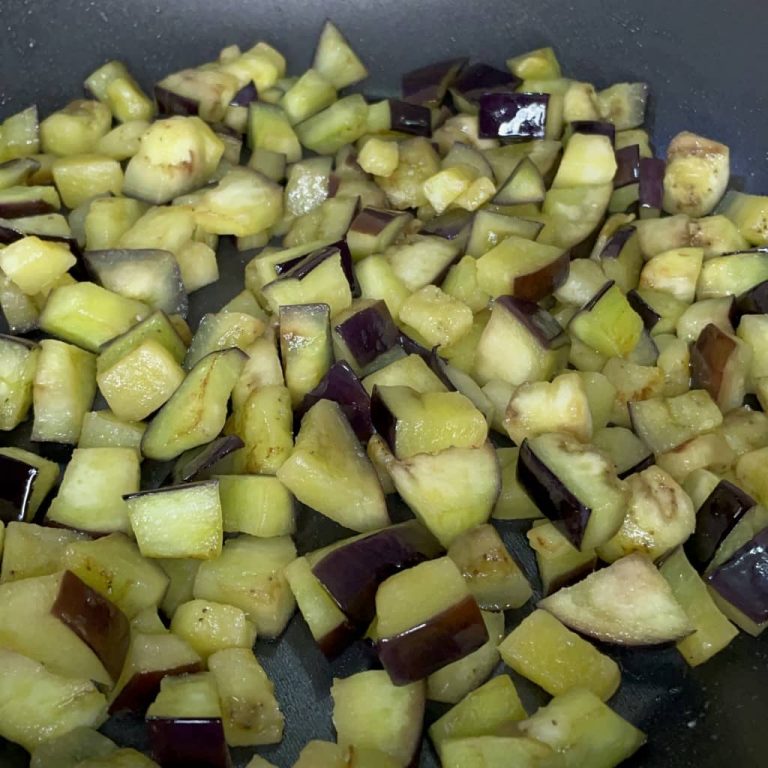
426	619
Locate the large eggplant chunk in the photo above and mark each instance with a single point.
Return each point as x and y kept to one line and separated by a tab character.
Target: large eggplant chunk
150	658
720	365
659	517
94	619
712	631
627	603
740	586
35	265
454	681
202	92
335	59
364	332
575	486
59	621
27	481
180	521
492	575
414	423
696	176
428	85
185	725
250	712
196	412
543	650
584	731
18	361
249	574
535	345
162	168
342	385
492	751
34	550
426	619
352	570
149	276
513	116
488	709
588	159
330	472
716	517
450	492
38	704
330	628
370	712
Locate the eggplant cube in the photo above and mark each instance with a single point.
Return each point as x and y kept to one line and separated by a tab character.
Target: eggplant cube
34	265
209	627
19	480
438	623
364	332
370	712
720	364
440	319
18	362
181	521
256	504
559	562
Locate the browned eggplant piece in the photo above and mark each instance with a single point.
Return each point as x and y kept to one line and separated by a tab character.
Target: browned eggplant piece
352	571
719	364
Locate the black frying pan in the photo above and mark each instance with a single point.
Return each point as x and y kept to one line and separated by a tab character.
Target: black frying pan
706	62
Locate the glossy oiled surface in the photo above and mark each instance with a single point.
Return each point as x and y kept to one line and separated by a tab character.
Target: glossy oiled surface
706	62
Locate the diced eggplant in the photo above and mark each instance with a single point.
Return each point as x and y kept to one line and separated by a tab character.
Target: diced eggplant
330	472
341	385
364	333
651	189
534	342
583	730
370	712
418	636
428	85
572	214
70	749
223	330
696	175
740	587
720	365
399	116
628	452
196	462
716	517
490	228
343	122
627	603
249	574
352	571
18	362
559	563
575	486
422	260
659	517
19	135
515	116
588	159
628	166
335	60
748	213
150	658
513	503
196	412
41	705
712	631
209	627
196	92
373	230
75	129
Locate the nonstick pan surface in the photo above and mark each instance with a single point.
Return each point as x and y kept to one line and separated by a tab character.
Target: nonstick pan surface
707	65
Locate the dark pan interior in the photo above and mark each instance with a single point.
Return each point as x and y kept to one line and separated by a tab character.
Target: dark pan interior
706	62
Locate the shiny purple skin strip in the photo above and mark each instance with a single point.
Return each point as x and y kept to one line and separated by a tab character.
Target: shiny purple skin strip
245	95
480	76
449	225
427	85
170	103
342	385
537	320
628	166
647	313
715	519
652	182
618	240
519	116
369	333
188	742
412	119
440	640
18	482
742	581
595	128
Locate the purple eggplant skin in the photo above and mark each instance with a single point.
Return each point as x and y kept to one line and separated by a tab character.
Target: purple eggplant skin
100	624
384	421
430	357
538	321
17	209
190	465
170	103
709	357
303	266
715	519
545	281
449	225
427	85
751	302
651	183
595	128
641	465
369	333
9	233
412	119
18	480
142	689
342	385
551	496
352	572
513	116
372	221
647	313
615	245
436	642
628	166
188	742
743	580
245	95
481	76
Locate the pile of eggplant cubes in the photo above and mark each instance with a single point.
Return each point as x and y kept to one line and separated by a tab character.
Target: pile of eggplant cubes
487	298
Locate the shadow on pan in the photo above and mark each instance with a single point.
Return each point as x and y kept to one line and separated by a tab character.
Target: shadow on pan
706	63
